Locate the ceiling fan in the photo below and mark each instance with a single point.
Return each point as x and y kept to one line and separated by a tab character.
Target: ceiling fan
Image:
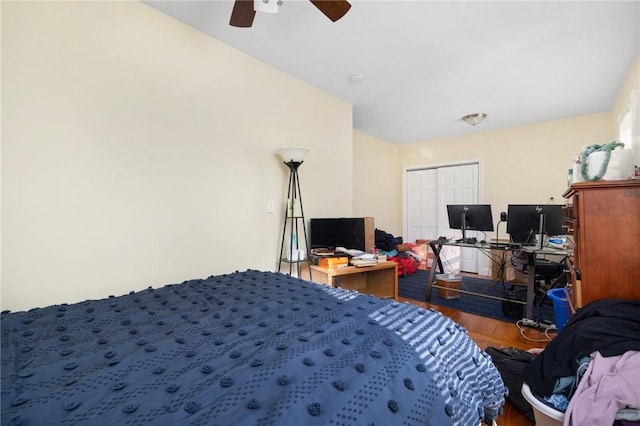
244	12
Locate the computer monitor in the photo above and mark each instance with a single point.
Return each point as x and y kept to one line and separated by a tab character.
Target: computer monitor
474	217
525	221
347	232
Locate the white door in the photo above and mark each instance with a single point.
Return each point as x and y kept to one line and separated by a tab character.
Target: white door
422	212
458	185
428	191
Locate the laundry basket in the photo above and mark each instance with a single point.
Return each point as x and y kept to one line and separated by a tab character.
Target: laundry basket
548	416
544	415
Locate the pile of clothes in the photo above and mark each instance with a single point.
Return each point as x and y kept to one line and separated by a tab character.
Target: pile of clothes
591	370
404	254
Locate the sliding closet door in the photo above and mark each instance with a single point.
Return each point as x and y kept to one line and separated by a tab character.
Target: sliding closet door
422	212
428	191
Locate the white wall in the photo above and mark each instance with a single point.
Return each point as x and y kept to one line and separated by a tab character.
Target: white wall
629	98
138	152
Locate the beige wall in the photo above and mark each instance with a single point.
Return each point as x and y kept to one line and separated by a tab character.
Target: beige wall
525	164
138	152
377	177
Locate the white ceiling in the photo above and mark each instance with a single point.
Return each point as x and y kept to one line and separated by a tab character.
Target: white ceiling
428	63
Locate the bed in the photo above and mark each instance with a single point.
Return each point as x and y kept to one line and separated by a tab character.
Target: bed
244	348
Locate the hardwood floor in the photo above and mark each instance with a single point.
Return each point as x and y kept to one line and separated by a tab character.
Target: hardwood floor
490	332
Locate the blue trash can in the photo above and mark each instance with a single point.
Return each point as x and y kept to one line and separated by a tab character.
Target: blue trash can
561	307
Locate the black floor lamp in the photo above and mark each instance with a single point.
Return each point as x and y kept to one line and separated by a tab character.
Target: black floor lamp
293	213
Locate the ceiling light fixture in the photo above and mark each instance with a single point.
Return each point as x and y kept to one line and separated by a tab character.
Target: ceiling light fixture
473	119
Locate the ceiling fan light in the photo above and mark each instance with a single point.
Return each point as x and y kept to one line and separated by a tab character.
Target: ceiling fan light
266	6
473	119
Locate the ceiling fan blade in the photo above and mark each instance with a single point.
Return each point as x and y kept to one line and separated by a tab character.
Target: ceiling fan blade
333	9
242	14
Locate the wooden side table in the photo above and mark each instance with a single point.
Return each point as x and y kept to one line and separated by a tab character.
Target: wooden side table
380	279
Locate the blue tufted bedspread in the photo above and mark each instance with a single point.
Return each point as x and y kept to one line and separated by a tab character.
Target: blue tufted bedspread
247	348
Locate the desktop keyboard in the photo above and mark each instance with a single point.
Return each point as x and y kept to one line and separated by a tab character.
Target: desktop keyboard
499	245
471	240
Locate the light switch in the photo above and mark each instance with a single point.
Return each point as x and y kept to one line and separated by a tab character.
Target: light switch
271	206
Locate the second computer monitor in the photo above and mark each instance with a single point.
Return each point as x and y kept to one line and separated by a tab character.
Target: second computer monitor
523	221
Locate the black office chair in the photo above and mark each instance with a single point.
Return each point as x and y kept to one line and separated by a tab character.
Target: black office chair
549	274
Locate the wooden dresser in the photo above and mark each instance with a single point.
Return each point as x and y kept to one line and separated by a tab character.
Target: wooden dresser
604	219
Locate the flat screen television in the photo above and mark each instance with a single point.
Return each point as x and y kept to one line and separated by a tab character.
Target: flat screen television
348	232
525	221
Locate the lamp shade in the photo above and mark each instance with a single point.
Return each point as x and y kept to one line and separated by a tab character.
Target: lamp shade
292	154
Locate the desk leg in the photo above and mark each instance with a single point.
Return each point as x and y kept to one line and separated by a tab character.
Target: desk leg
333	281
436	251
432	270
531	282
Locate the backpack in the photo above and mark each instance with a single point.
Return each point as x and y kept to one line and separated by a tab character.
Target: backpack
510	362
407	264
385	241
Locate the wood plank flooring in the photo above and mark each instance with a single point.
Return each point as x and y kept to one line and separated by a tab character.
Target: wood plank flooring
501	334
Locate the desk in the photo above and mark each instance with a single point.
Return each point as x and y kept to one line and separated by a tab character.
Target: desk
533	253
380	279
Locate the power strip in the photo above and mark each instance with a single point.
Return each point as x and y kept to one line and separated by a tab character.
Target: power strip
537	325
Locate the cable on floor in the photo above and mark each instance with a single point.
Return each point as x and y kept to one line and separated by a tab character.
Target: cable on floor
522	328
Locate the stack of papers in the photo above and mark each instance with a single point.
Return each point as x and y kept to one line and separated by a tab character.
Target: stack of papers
361	262
365	259
366	256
